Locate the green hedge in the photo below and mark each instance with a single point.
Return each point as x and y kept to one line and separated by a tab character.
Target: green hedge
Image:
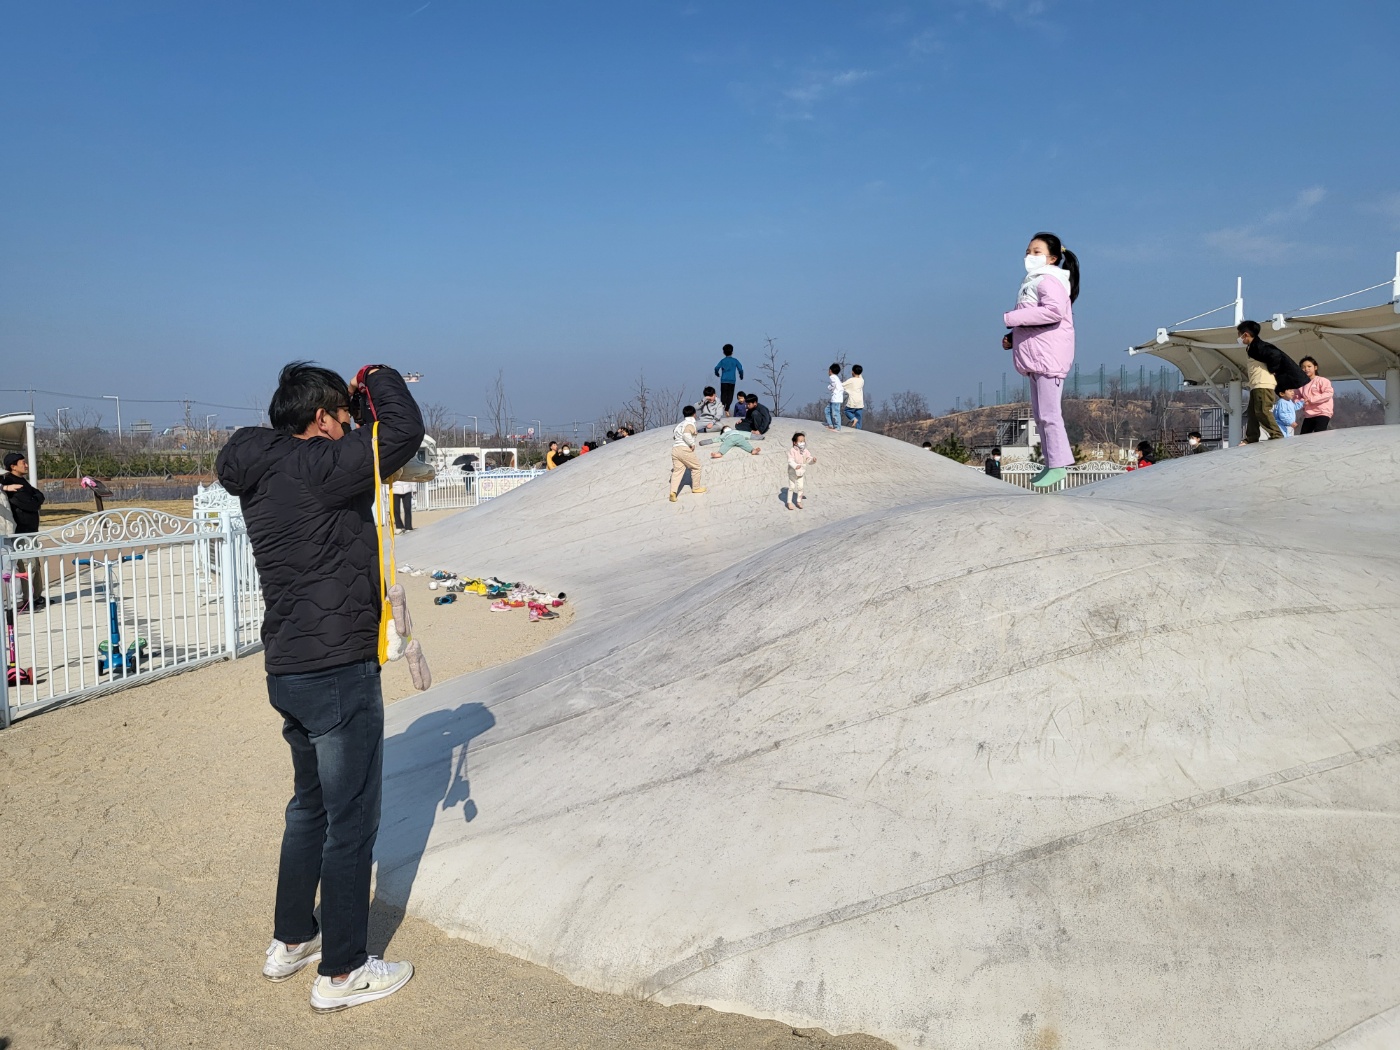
121	465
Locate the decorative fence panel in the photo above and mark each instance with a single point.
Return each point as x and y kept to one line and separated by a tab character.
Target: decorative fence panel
450	492
122	597
1080	474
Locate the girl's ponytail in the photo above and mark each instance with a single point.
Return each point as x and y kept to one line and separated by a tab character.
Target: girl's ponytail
1068	260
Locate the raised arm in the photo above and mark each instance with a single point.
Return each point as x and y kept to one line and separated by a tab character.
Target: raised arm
345	466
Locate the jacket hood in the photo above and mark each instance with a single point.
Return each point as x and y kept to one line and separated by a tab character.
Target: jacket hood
1033	278
250	454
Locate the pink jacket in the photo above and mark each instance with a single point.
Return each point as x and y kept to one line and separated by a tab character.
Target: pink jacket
1317	397
1042	332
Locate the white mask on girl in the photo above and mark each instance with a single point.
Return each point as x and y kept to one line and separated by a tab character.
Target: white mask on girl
802	444
1035	262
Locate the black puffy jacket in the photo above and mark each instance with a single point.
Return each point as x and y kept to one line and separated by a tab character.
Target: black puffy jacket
1286	372
309	505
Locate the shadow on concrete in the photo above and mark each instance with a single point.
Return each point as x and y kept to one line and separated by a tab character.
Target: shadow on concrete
425	777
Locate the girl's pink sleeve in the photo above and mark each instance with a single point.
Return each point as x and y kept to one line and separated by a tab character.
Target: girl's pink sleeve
1051	301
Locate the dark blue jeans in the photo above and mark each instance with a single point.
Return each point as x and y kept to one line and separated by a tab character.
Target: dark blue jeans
334	722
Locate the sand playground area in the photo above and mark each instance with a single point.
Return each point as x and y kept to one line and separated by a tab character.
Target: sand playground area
141	833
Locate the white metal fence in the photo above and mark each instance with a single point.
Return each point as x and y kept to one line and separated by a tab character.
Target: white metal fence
122	597
469	489
1080	474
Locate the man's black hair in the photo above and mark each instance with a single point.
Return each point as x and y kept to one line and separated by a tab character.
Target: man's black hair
709	391
688	411
302	388
835	368
751	398
728	349
856	370
927	444
996	451
1252	327
1194	434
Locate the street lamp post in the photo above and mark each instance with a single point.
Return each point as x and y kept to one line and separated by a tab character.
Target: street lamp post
539	429
118	400
207	428
476	430
59	413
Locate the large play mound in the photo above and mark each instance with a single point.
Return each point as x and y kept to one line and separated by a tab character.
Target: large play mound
941	760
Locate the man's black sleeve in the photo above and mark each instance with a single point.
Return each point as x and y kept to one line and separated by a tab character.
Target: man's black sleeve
346	466
26	499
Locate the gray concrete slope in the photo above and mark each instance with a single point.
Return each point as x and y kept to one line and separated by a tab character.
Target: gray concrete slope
983	769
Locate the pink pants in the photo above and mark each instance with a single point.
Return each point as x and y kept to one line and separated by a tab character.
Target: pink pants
1045	406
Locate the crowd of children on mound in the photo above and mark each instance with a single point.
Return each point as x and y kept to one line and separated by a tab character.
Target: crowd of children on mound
751	423
504	595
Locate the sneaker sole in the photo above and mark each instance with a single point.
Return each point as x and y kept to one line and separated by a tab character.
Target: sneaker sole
336	1005
279	978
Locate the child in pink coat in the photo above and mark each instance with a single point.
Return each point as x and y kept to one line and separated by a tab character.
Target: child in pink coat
1041	342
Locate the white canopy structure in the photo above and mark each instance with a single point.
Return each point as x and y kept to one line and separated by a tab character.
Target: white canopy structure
1362	344
17	435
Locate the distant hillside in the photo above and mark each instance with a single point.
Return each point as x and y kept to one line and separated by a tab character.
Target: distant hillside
1089	421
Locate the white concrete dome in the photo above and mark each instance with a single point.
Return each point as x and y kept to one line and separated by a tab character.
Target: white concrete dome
936	759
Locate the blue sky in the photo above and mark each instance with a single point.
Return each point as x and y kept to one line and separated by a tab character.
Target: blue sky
573	192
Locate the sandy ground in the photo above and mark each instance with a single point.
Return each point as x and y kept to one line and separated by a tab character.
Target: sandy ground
140	836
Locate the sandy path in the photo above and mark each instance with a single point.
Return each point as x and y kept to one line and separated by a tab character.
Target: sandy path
140	837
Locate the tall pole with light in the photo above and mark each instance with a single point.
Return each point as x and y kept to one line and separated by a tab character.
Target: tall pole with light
58	412
118	400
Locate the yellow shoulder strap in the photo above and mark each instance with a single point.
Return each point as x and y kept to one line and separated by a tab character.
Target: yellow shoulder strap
388	570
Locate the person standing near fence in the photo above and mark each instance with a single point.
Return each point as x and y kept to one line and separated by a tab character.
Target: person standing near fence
1042	344
25	501
308	487
403	505
1317	398
729	371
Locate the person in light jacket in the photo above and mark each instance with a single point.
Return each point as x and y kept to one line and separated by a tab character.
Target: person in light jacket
855	396
1317	398
1042	344
683	458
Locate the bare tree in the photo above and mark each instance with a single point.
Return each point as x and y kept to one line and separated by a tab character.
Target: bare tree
669	403
498	408
772	372
437	421
643	404
80	438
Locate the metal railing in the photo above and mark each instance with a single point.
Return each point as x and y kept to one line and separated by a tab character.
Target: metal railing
1080	474
122	597
469	489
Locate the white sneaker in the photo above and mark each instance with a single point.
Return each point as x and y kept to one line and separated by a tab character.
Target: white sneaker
282	963
374	980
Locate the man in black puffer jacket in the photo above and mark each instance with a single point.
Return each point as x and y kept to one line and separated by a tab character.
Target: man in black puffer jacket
307	490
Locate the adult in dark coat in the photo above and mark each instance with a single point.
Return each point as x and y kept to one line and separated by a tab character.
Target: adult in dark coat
25	501
308	488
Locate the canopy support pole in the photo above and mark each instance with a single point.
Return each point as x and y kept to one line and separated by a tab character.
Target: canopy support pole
1381	399
1392	395
1236	415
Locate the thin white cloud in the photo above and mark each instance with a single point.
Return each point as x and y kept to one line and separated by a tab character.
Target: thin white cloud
798	101
1388	207
1268	239
1300	209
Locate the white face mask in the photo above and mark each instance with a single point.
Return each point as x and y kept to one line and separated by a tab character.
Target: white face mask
1241	341
1035	262
802	444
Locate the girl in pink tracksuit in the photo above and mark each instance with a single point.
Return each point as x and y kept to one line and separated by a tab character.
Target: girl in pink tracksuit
1042	344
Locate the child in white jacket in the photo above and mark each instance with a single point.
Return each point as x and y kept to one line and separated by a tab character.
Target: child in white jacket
798	458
